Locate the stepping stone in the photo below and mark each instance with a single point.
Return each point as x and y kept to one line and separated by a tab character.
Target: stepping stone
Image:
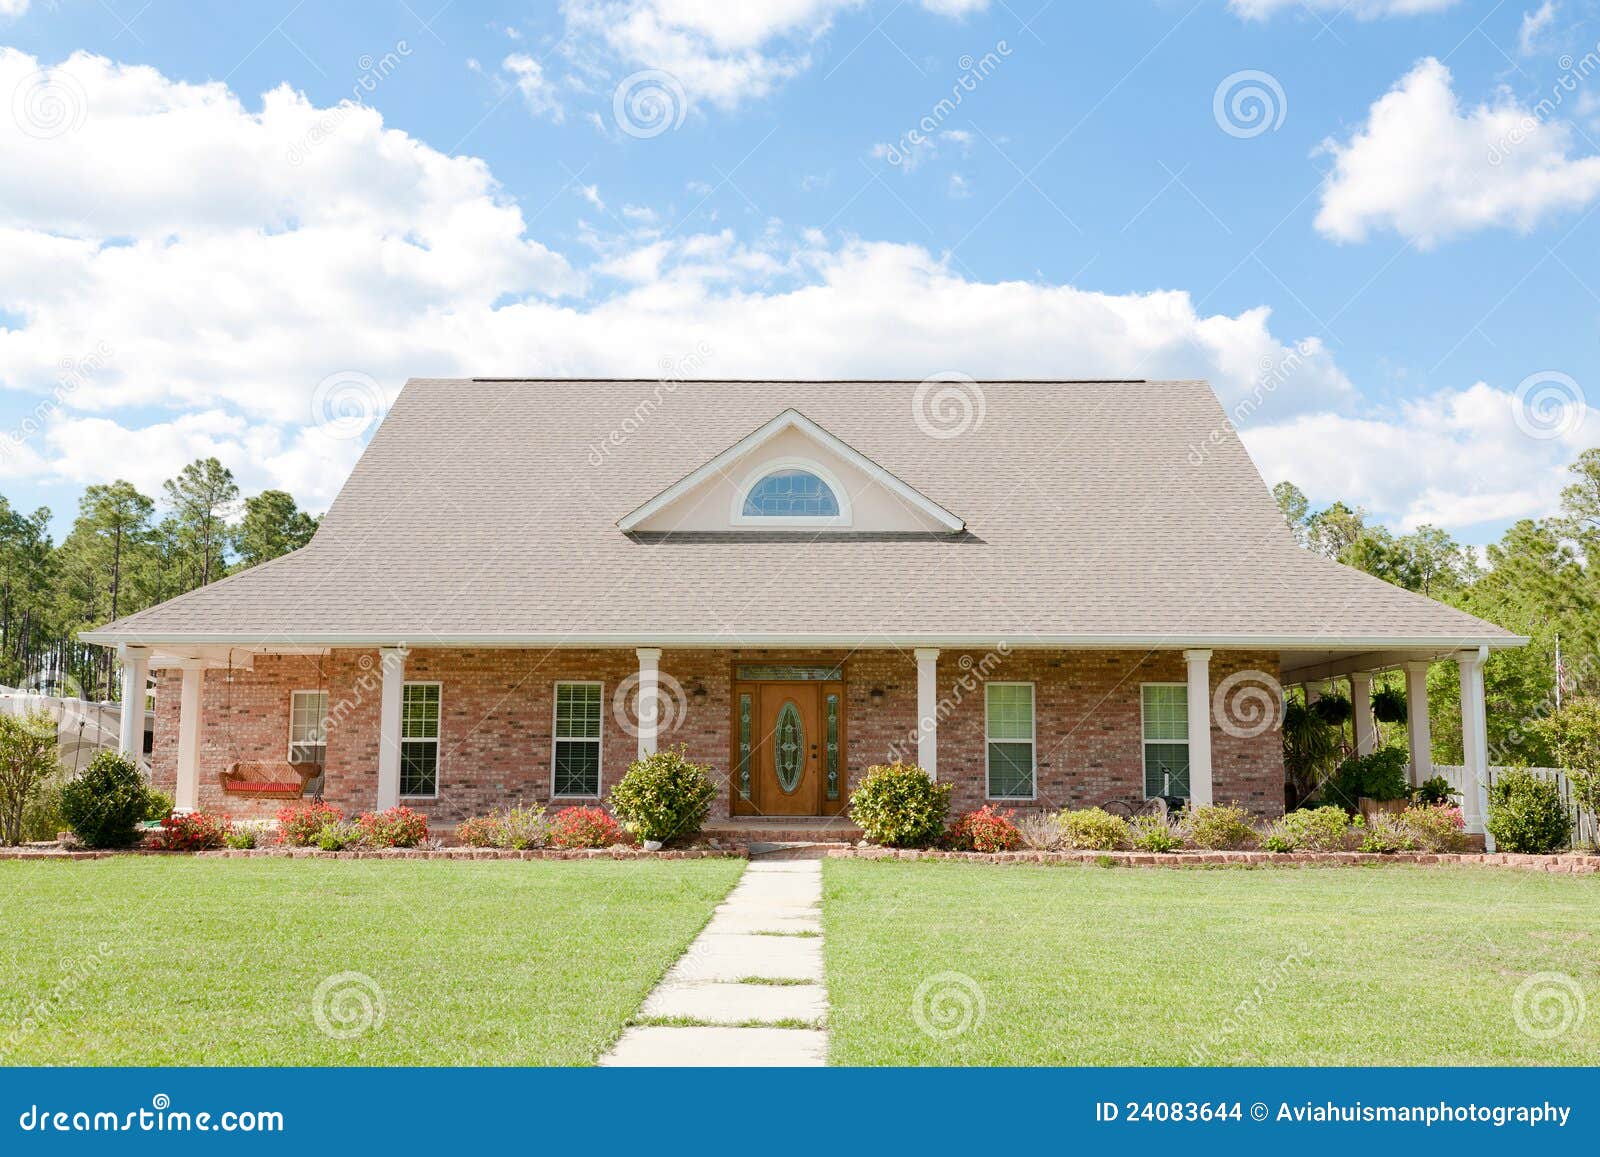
747	921
720	1047
738	1003
734	957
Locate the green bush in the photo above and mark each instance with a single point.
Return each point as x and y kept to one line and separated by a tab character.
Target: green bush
1527	814
105	805
27	764
1153	833
1434	790
41	820
1436	827
159	805
898	805
338	835
1321	829
1381	776
1094	829
1219	827
1386	835
664	796
1279	839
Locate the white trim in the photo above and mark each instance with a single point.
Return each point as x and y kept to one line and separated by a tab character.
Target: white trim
599	740
322	721
1144	770
766	466
928	710
437	740
1033	739
791	419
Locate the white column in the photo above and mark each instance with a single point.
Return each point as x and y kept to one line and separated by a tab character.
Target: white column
928	710
1200	792
187	798
649	699
392	666
1418	732
1474	741
1361	703
135	673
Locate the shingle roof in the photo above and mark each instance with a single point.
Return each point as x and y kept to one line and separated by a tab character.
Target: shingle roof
1096	511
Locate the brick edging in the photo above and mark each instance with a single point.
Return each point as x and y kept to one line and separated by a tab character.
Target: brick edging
1570	862
737	851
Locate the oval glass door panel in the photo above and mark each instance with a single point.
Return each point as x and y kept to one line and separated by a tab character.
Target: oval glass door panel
789	747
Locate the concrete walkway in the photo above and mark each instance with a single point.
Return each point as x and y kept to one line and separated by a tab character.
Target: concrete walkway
768	929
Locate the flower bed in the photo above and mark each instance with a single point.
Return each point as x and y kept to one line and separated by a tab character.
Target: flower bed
1574	862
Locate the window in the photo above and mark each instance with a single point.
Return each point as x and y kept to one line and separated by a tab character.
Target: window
1166	739
419	739
575	766
1009	728
308	743
791	494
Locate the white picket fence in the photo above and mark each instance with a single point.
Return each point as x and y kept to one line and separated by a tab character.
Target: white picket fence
1586	827
83	726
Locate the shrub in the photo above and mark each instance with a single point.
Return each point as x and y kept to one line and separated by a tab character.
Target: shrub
105	805
480	831
986	830
1152	833
1320	829
193	832
243	837
585	827
1527	814
41	819
664	796
898	805
1435	790
1219	827
1381	776
1039	831
523	826
1435	827
1094	829
27	764
1278	838
337	835
396	827
158	805
1385	835
300	824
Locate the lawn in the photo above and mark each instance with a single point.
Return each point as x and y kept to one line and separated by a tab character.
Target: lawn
183	961
1081	966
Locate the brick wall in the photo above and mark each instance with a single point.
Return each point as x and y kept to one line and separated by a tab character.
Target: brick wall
497	712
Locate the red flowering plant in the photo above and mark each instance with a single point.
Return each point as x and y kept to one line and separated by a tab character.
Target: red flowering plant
300	824
585	827
193	832
396	827
480	831
986	830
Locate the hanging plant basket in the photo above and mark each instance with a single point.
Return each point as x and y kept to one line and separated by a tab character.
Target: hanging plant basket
1388	705
1334	710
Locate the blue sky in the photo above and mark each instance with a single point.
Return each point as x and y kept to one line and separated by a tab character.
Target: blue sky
1389	223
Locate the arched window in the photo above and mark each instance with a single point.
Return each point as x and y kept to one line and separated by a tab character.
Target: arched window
791	493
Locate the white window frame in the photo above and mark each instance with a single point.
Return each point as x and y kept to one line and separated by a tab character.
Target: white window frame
437	740
599	740
1033	740
322	722
1144	769
778	521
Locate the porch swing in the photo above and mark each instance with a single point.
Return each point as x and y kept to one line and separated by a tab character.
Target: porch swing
269	779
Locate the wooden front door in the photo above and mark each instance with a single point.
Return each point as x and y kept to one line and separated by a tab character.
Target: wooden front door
796	748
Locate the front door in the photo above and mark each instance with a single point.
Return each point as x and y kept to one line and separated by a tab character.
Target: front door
788	748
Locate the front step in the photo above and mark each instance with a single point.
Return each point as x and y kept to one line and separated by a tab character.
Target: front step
794	850
781	831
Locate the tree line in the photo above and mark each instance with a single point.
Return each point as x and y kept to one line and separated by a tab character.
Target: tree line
1542	579
125	551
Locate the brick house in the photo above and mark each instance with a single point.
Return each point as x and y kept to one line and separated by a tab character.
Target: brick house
1045	593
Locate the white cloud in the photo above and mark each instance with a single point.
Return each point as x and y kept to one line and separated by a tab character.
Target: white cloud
1426	169
13	7
1360	9
1534	25
538	93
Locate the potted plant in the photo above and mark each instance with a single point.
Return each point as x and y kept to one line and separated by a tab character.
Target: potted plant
1389	705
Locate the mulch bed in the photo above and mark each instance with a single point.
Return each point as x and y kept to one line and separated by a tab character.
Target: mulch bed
1570	862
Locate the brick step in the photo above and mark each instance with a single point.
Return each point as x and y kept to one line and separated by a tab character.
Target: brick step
790	832
798	850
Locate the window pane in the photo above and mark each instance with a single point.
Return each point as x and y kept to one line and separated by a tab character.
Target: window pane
790	493
1166	713
1010	712
306	712
577	767
419	711
577	711
419	767
1010	769
1166	769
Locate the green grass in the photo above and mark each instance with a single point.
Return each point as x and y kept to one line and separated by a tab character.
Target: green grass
1057	965
182	961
